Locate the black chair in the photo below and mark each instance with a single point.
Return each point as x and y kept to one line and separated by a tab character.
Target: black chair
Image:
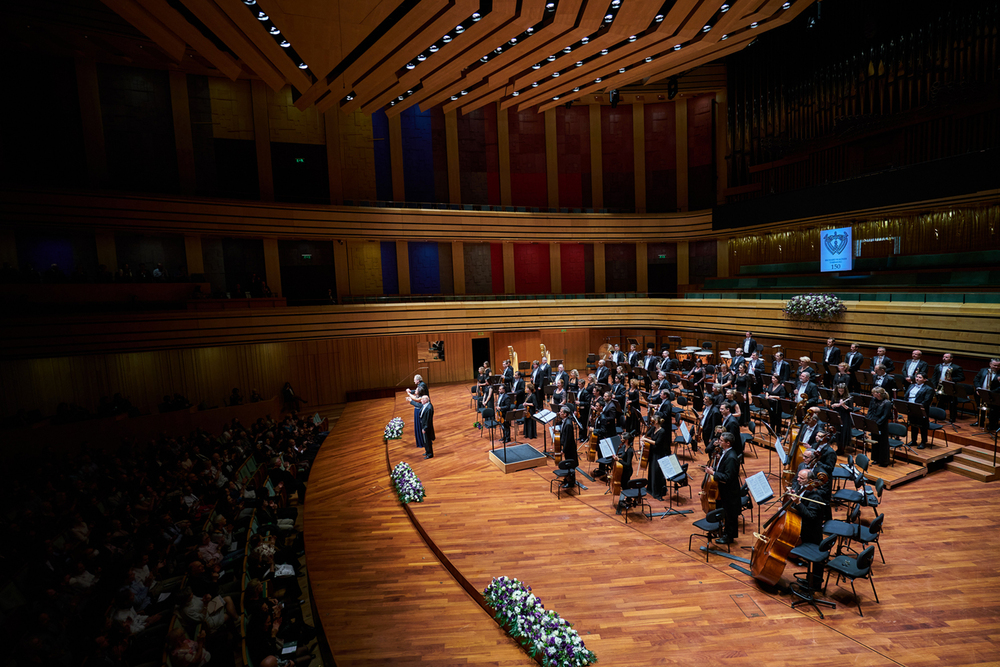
852	497
808	583
870	534
489	423
843	530
932	426
474	391
748	438
680	443
712	527
841	473
850	567
897	439
634	495
875	495
566	468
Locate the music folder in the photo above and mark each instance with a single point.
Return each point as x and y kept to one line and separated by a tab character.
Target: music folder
670	466
684	433
782	454
609	446
760	488
544	416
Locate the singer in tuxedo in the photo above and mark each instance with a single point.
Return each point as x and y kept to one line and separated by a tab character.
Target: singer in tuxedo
427	426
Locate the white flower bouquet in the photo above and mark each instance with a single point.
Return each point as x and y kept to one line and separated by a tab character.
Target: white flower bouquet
408	486
546	636
814	307
394	429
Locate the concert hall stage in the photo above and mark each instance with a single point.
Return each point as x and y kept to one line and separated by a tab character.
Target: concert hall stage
397	585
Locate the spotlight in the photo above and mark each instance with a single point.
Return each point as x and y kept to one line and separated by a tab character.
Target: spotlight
706	28
649	59
513	41
261	16
724	9
677	47
753	25
484	59
421	58
568	49
621	70
534	84
454	97
285	44
536	66
579	63
303	66
476	16
632	38
459	29
597	80
465	92
249	3
609	18
274	30
410	65
725	37
786	5
434	48
585	40
350	96
550	6
604	52
529	31
551	58
658	18
516	93
446	39
555	74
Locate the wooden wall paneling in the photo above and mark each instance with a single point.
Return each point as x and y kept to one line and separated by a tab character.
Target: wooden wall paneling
365	268
596	169
170	17
458	266
272	266
262	139
403	267
509	270
641	267
600	270
107	253
396	158
639	153
683	263
721	146
722	258
341	267
92	121
334	156
681	127
525	342
503	147
570	345
182	132
150	26
454	166
552	158
555	268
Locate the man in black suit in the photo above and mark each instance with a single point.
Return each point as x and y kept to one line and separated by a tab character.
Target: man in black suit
727	475
427	425
603	373
737	361
810	429
650	361
730	424
941	374
710	418
561	374
567	440
536	376
831	357
989	379
518	388
921	393
507	376
755	369
504	403
913	366
749	345
884	380
781	368
854	360
807	387
634	357
545	375
826	456
668	365
881	358
618	356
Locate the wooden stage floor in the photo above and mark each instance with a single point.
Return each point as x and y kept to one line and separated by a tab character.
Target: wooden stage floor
634	592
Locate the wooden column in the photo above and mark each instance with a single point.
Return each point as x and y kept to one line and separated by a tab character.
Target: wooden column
262	138
93	123
454	169
600	275
552	158
334	158
683	272
341	268
509	286
596	175
8	248
722	258
721	146
555	267
107	252
641	268
272	265
639	155
396	159
503	146
458	266
681	129
194	255
181	109
403	267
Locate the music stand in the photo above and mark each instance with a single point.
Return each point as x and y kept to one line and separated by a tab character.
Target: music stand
673	472
914	415
865	378
865	424
788	407
760	490
783	459
510	416
543	417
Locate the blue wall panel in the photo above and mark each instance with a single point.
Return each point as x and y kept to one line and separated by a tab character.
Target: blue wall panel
418	155
383	160
390	271
425	268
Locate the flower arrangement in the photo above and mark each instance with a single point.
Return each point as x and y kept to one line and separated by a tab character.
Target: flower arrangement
814	307
394	429
408	486
547	637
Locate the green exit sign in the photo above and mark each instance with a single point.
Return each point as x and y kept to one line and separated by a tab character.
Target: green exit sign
663	256
563	331
307	256
300	159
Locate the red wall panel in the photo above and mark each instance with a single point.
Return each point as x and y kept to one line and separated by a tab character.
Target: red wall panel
573	145
661	157
572	268
531	268
528	185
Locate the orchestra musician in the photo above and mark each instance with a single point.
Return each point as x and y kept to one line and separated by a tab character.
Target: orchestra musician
749	344
882	358
618	389
724	376
807	387
507	374
731	424
505	403
536	375
584	396
558	397
727	474
884	380
697	377
567	438
531	405
634	356
737	362
607	426
618	357
781	368
738	406
805	366
913	366
811	513
941	373
518	388
487	404
810	429
420	390
545	375
831	357
649	362
842	376
755	369
632	415
989	379
482	381
659	449
920	392
561	375
626	456
666	364
710	418
880	412
426	425
603	372
854	360
773	392
843	403
574	381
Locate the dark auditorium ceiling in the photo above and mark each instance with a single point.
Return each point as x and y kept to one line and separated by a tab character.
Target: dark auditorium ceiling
367	54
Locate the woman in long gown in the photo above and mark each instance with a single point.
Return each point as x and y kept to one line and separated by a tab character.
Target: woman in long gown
660	448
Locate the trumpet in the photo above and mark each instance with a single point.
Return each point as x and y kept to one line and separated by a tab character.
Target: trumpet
947	378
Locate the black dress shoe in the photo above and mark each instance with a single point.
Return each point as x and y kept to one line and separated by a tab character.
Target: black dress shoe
428	456
724	540
921	446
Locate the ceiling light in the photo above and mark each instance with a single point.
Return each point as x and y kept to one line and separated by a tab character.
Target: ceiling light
551	58
446	39
649	59
393	103
550	6
724	8
568	49
285	44
454	97
476	16
677	47
632	38
274	30
434	48
579	63
621	70
249	3
534	85
609	18
725	37
513	41
597	80
616	3
261	16
706	28
536	66
577	89
753	25
604	52
516	93
350	97
421	57
459	29
658	18
585	40
786	5
555	98
555	74
484	59
410	65
465	92
499	49
303	66
529	31
409	92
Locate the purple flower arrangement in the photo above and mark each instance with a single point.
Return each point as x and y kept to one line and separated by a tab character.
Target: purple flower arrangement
408	486
394	429
814	307
547	637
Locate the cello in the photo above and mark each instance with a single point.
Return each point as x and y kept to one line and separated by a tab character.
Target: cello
709	493
782	533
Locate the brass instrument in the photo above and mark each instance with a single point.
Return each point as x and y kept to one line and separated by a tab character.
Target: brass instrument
947	378
545	351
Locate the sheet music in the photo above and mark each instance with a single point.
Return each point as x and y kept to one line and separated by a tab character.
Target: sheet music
544	416
670	466
760	488
782	454
609	446
684	433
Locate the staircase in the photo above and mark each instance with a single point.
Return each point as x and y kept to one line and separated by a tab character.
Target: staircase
975	462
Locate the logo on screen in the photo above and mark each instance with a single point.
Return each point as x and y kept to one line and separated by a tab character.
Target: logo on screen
836	242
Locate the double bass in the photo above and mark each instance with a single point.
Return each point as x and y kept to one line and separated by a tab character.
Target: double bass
709	493
782	533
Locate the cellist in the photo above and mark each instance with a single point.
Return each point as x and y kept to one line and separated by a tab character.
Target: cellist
727	475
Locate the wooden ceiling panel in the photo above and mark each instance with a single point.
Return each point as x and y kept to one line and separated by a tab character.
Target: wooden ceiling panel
150	26
171	18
